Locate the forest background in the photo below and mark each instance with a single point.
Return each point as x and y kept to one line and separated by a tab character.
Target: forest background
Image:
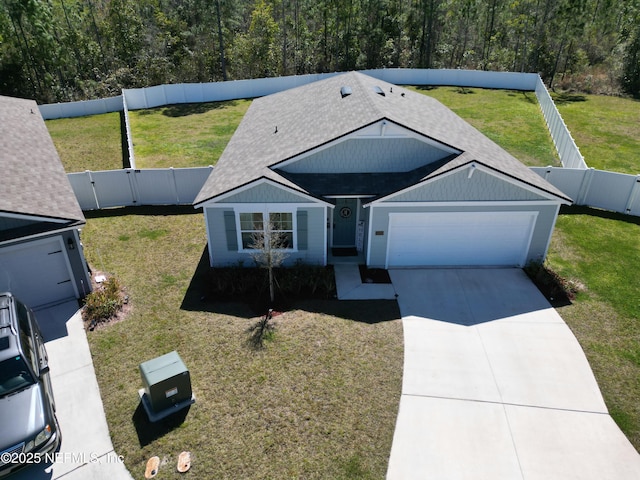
64	50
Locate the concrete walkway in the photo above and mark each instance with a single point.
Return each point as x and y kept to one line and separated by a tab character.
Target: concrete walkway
496	386
86	451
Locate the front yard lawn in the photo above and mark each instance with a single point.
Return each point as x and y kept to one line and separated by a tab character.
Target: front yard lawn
319	401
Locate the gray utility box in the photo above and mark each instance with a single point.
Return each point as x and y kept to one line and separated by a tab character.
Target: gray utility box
166	381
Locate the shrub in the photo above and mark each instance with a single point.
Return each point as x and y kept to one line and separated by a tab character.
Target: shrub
298	281
103	303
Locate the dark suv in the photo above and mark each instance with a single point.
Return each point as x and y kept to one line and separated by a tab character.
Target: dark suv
28	425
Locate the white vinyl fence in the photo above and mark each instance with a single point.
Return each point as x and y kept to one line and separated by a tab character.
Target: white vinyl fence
179	186
150	97
81	109
130	187
568	151
160	95
127	126
96	190
616	192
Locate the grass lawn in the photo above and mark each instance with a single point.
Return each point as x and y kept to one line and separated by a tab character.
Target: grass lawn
195	134
88	143
511	119
605	129
189	135
320	401
602	251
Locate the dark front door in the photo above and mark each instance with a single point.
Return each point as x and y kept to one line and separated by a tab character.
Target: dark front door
345	218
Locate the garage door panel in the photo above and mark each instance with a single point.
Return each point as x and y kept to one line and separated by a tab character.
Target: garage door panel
37	272
459	238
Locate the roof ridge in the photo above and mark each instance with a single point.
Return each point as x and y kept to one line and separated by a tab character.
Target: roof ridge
368	93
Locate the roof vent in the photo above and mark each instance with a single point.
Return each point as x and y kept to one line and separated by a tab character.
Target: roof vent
379	90
345	91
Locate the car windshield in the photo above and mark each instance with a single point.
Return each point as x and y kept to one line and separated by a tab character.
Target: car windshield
14	376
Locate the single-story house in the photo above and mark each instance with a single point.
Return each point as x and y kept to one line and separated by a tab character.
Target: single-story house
41	259
354	165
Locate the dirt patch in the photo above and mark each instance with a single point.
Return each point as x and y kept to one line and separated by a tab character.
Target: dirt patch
558	290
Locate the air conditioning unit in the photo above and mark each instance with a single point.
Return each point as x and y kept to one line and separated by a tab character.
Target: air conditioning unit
167	386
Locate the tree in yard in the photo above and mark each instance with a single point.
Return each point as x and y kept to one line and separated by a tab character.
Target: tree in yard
631	69
256	52
269	248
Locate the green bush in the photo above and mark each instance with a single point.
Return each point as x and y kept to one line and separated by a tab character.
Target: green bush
103	303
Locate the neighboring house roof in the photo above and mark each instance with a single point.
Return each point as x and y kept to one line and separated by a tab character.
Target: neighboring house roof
284	125
34	182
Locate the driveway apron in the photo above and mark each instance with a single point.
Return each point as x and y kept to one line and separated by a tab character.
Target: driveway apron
496	386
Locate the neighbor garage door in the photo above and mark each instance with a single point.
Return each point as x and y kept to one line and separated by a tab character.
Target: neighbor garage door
37	272
459	238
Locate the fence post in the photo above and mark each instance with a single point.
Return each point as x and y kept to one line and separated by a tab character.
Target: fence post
635	191
585	186
133	185
174	183
93	188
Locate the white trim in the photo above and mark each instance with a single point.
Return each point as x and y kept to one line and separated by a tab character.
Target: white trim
361	133
348	196
83	261
325	229
478	166
265	211
206	223
253	184
267	207
553	227
33	218
368	261
39	235
500	203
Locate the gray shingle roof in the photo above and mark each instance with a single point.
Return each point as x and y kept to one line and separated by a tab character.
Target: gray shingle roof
33	179
283	125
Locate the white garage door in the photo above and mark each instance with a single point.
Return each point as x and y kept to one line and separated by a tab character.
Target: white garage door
459	238
37	272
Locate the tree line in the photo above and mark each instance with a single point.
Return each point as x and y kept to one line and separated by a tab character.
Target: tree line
62	50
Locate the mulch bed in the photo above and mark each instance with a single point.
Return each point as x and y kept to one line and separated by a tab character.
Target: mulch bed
374	275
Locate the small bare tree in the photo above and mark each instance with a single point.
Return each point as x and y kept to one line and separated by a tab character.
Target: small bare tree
270	252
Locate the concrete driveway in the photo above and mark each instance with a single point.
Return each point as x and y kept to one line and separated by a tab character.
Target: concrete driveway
496	386
86	451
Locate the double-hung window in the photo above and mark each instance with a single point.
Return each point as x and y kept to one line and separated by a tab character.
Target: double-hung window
256	227
251	228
